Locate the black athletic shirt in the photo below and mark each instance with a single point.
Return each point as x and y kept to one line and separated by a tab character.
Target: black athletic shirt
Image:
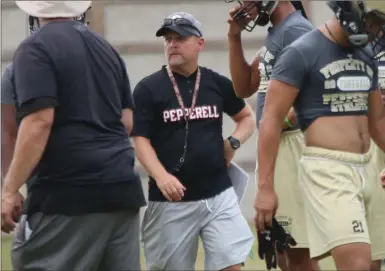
159	118
332	80
88	163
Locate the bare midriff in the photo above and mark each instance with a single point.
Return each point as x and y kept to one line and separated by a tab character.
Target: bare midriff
342	133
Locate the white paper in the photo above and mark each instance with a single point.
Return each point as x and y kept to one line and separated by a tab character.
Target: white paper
239	179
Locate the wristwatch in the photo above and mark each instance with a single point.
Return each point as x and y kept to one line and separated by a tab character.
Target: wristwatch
235	143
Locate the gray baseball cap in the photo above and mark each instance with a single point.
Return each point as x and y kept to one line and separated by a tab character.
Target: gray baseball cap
182	23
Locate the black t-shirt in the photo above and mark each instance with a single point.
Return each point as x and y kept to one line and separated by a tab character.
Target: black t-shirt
158	117
88	163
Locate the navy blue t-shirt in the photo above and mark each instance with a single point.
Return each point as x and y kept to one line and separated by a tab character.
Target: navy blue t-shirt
88	163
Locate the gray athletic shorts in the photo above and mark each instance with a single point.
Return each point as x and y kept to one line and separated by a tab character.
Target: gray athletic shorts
100	242
171	230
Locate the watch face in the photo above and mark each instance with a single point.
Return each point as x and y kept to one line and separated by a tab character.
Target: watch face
236	144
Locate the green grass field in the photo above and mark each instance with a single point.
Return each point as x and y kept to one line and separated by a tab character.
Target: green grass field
251	264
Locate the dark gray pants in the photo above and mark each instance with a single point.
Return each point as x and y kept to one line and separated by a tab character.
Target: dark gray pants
100	242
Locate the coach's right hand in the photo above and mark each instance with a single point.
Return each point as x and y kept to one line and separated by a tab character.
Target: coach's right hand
382	175
171	187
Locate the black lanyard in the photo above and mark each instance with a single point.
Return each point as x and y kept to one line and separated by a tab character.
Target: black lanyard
186	112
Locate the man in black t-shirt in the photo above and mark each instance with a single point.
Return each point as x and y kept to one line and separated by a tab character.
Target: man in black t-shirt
75	109
9	120
178	138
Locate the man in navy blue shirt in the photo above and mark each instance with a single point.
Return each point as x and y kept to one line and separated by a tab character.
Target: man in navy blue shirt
74	105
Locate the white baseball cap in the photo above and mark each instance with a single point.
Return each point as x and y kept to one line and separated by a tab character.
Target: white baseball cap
54	9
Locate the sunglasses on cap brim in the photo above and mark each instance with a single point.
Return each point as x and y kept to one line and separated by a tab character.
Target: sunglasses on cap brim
179	22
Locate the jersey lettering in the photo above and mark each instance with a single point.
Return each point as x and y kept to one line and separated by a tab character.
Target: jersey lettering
357	226
346	102
267	56
339	66
198	113
381	77
354	83
349	92
265	67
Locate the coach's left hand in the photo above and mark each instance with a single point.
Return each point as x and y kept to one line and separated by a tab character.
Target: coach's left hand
382	175
266	204
229	152
11	209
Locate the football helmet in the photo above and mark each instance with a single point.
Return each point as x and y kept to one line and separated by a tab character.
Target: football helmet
363	21
264	11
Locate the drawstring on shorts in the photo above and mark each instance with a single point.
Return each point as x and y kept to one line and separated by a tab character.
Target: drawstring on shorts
207	205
